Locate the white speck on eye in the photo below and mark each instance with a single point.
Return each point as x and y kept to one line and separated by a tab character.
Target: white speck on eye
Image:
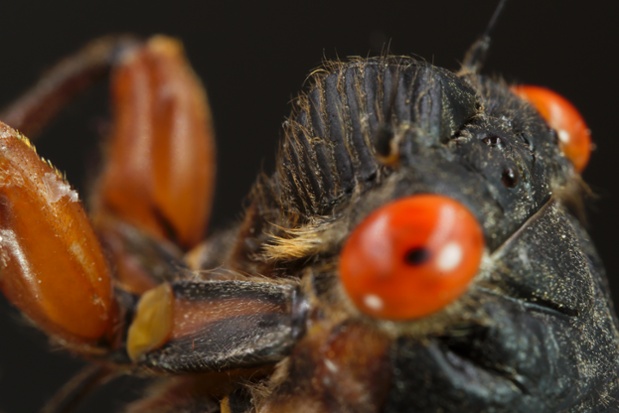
450	257
564	136
373	302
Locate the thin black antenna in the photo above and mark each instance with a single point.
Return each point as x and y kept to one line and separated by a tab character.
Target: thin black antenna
476	55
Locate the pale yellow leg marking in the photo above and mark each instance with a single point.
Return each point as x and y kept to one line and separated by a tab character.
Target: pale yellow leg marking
224	406
152	324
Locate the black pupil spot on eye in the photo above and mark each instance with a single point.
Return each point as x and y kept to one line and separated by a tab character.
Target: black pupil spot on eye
417	256
509	178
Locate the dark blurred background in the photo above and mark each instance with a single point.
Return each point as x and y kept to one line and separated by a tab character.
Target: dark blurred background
253	58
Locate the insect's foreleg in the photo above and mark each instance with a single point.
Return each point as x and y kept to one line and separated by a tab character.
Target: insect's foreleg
151	202
153	196
51	265
35	108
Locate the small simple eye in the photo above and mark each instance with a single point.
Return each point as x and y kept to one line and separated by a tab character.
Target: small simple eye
509	178
411	257
562	116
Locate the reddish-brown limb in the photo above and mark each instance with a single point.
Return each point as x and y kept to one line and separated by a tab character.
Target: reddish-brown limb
51	264
35	108
160	165
159	170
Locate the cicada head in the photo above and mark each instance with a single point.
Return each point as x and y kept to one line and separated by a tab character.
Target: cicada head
427	216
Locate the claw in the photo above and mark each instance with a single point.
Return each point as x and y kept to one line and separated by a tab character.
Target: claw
51	265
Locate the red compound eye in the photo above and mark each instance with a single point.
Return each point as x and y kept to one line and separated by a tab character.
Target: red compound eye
412	257
562	116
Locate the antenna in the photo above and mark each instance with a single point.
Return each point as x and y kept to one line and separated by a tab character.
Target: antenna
476	55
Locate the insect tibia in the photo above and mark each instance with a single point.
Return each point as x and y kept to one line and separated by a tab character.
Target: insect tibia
214	325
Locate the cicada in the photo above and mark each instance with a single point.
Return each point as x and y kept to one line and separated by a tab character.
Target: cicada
419	246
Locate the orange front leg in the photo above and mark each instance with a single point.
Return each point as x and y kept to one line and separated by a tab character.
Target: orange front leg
160	168
51	264
153	197
151	202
